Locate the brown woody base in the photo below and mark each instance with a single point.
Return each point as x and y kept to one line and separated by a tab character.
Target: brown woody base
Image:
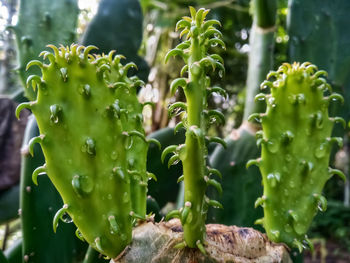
154	242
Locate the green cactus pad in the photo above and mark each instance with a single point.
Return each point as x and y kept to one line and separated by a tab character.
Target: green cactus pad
90	122
295	149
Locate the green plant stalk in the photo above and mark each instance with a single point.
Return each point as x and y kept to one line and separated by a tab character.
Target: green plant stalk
261	55
196	118
193	160
293	174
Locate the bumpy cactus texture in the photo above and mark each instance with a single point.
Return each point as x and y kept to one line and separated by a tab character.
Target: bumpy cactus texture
40	23
196	118
90	123
295	149
38	201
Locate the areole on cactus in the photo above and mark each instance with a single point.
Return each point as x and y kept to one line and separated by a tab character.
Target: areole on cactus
295	148
90	122
196	118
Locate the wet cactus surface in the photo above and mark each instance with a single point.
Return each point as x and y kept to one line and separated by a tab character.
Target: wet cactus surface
295	147
91	134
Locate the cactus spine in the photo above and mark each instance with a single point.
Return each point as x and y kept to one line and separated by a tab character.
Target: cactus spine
295	149
90	123
200	35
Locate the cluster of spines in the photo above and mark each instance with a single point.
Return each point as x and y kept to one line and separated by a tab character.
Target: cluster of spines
125	107
305	73
196	118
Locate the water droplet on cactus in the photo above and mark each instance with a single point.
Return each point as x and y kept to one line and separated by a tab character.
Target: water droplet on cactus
271	101
123	237
128	142
114	155
66	218
214	44
299	228
272	146
221	73
288	228
272	180
288	157
321	151
126	198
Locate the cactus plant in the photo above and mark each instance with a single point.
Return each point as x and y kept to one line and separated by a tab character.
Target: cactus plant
90	123
196	117
39	23
295	149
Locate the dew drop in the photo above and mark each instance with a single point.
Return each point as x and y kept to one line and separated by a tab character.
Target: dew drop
320	151
272	180
275	234
288	228
288	157
272	146
66	218
126	197
271	101
221	73
114	155
299	228
128	142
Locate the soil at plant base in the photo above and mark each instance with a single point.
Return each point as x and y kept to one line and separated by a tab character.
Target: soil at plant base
154	242
327	252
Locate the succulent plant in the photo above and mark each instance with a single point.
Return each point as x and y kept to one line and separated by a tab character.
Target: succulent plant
91	134
295	147
200	35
